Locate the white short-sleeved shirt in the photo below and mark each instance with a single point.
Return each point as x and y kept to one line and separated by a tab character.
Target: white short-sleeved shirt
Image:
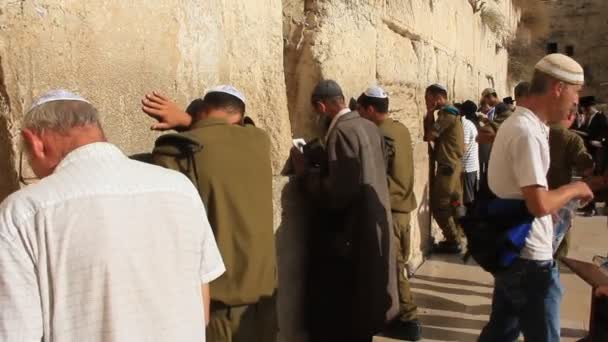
520	157
470	158
105	249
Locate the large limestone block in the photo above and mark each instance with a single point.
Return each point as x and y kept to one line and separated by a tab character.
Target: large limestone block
345	42
114	52
390	68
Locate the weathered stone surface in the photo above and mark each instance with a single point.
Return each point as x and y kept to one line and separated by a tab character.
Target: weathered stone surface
582	25
115	52
402	45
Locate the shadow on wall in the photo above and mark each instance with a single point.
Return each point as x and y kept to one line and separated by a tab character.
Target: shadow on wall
292	263
302	70
9	180
424	221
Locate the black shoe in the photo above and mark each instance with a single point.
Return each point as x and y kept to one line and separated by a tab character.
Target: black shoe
445	247
404	330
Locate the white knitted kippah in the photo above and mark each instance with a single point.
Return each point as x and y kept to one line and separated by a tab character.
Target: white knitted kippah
376	92
562	68
57	95
227	89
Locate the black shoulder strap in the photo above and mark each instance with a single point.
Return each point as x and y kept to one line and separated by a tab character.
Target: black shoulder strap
182	146
389	152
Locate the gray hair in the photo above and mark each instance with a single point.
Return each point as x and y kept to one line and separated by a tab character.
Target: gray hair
61	116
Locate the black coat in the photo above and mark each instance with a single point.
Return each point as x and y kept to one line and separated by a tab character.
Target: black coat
598	127
597	130
354	275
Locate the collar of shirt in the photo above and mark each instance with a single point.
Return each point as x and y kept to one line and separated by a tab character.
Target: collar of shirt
97	151
334	121
530	115
209	122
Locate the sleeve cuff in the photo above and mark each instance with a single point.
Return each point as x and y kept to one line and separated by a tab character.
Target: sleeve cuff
213	274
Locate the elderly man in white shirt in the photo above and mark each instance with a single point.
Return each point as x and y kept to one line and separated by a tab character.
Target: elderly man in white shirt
102	248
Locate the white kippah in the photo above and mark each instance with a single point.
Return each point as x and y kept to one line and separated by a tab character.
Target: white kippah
376	92
227	89
563	68
57	95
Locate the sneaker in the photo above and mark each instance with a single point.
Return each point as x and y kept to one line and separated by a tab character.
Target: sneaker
404	330
445	247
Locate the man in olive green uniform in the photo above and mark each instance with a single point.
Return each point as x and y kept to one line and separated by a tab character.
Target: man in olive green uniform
353	279
373	105
568	154
447	134
230	165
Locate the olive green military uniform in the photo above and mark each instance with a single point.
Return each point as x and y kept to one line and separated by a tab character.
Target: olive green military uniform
449	148
568	153
230	165
403	201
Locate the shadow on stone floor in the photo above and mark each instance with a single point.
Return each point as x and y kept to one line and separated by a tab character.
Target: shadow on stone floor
451	322
573	333
452	281
450	290
431	302
439	334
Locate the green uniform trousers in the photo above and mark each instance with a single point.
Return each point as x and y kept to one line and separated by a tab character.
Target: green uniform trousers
401	224
447	186
244	323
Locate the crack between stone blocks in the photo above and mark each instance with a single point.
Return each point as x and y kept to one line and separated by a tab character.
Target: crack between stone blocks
401	30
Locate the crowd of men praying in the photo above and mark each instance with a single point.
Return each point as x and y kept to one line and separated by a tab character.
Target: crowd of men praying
178	244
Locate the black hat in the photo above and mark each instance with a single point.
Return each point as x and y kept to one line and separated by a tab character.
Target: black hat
587	101
468	107
326	89
508	100
352	105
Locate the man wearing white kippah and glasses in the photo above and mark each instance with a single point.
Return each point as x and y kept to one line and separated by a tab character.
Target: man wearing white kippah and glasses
527	293
84	255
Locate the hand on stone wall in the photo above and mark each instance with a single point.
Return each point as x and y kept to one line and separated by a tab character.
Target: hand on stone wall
166	112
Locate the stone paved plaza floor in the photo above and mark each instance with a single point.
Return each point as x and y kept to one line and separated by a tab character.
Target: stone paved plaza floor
454	298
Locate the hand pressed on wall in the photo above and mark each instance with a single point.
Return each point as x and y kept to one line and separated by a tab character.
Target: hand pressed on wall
166	112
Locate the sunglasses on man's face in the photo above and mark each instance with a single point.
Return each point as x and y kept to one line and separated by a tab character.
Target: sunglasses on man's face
23	179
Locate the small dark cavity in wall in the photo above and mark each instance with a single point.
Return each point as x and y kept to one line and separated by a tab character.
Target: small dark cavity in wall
8	175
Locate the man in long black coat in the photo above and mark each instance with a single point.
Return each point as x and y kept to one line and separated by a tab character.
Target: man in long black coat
353	286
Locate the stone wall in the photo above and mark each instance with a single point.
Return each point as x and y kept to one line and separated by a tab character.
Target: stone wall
582	25
114	52
402	45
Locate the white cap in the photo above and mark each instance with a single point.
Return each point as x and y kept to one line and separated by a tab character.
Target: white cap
57	95
376	92
227	89
563	68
